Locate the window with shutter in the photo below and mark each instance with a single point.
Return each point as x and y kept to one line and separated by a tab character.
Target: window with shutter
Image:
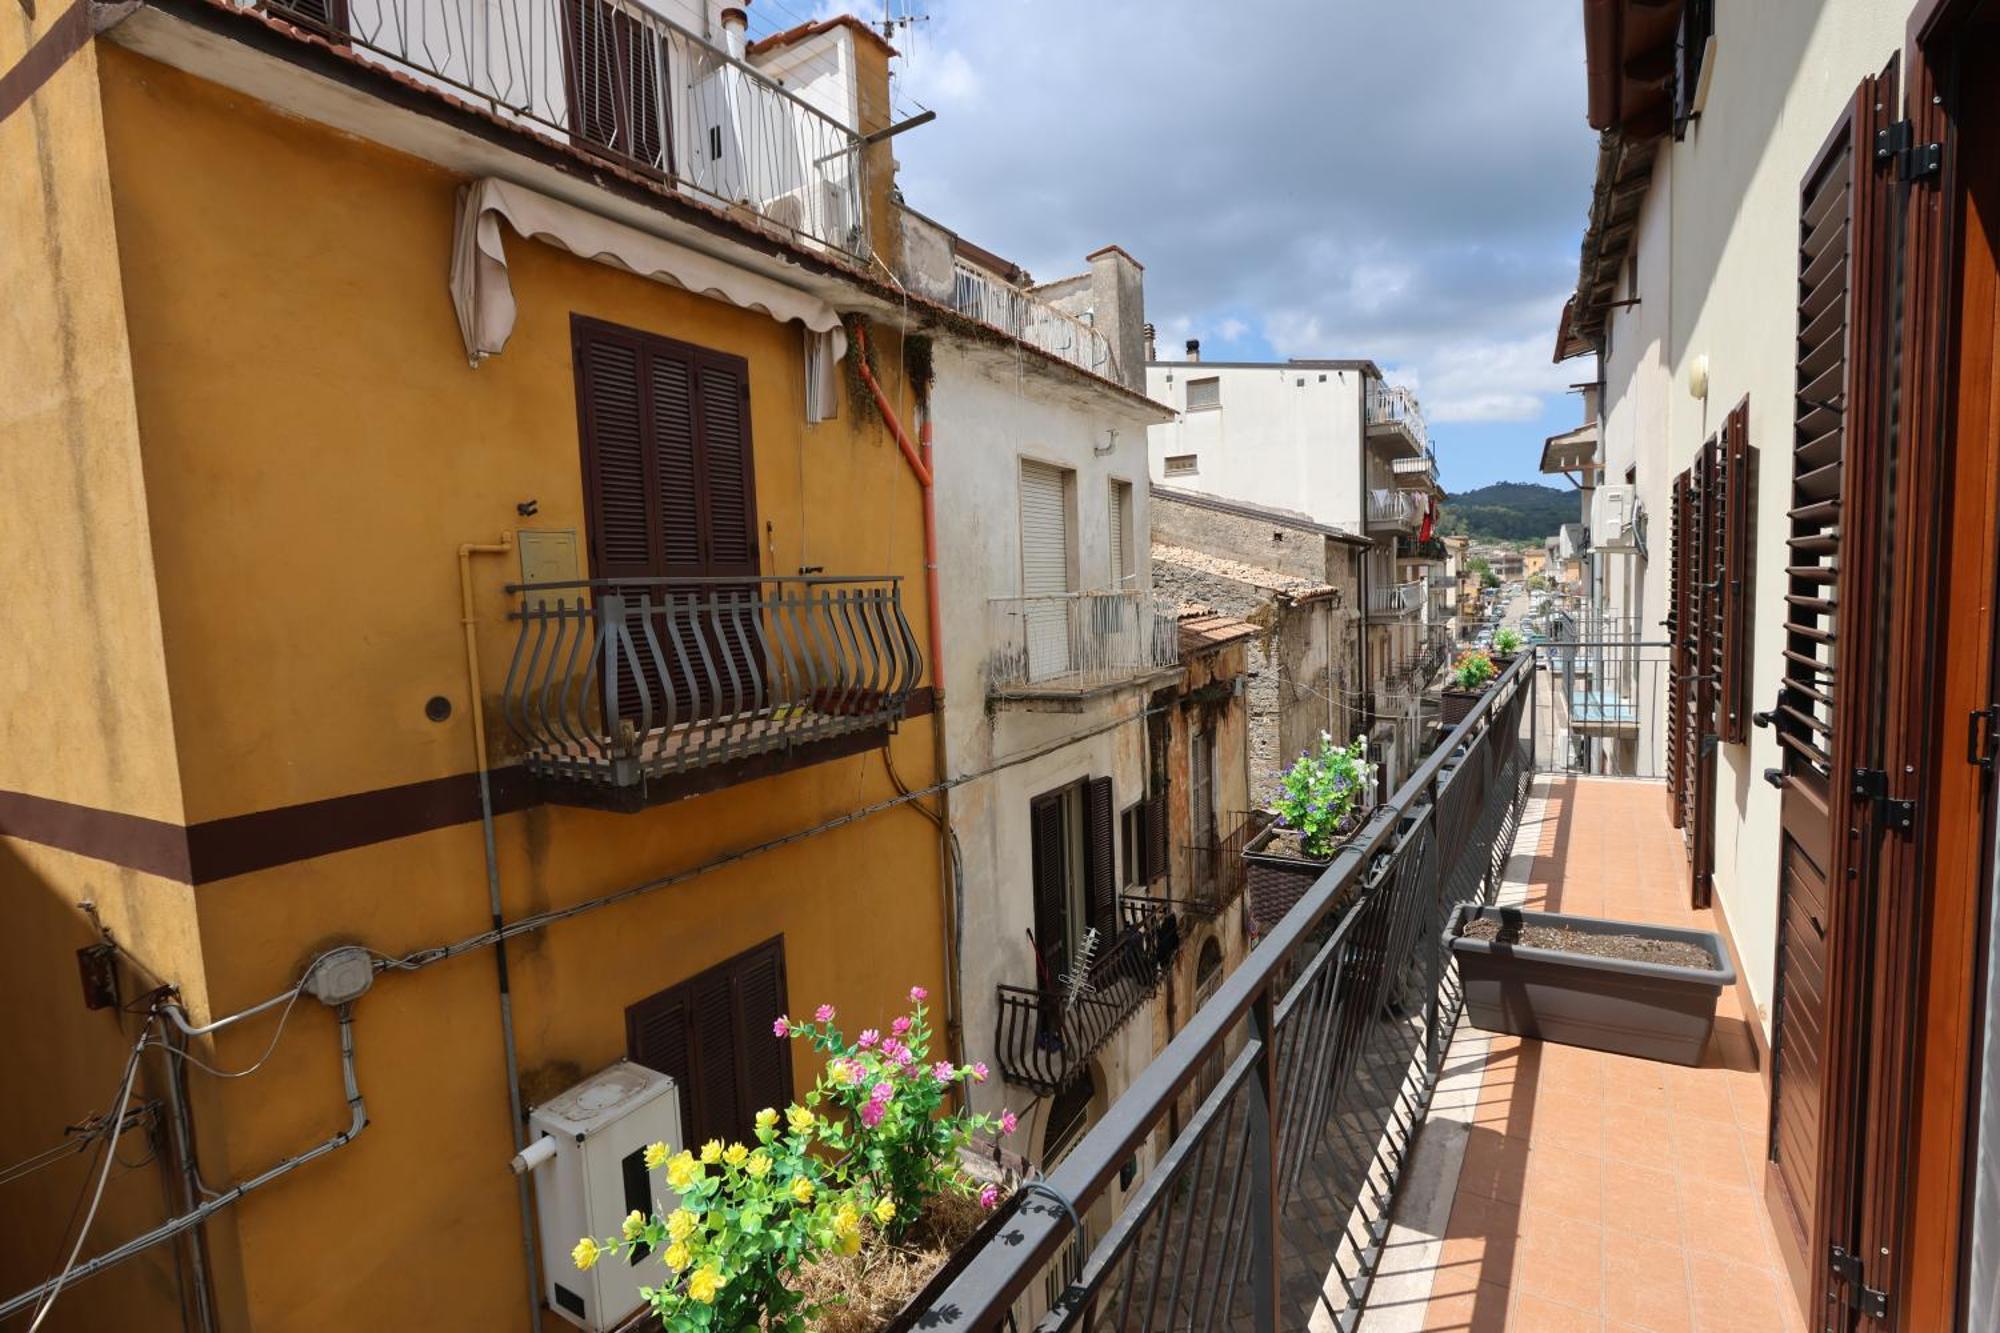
613	75
670	494
712	1035
327	15
1124	564
1680	521
1100	863
1736	472
1045	567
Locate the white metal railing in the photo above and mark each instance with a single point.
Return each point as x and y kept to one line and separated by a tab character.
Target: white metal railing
1078	640
1392	405
1393	509
620	81
1396	599
1415	473
1035	322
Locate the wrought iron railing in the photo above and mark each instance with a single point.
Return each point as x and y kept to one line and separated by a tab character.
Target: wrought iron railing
1045	1035
1034	321
1069	642
1393	509
1396	599
614	682
618	80
1410	549
1605	707
1271	1207
1393	408
1216	871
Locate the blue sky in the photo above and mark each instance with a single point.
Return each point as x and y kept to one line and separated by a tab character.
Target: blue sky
1404	181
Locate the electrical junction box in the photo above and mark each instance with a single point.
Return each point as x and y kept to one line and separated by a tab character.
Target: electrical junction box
596	1175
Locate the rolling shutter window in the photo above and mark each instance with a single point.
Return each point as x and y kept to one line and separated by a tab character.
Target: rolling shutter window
1736	470
712	1035
1100	865
1204	393
1124	567
1045	566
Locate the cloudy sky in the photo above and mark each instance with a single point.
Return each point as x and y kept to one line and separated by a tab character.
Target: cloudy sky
1404	180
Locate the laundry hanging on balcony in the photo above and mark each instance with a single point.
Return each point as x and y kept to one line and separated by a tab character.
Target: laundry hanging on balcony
1430	515
484	298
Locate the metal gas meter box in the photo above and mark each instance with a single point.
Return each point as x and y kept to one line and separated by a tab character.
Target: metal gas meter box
587	1148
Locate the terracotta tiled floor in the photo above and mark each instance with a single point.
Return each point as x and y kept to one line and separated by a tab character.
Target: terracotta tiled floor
1599	1192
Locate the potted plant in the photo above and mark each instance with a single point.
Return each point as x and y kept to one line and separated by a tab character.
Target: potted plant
1470	676
1618	986
1322	801
1506	643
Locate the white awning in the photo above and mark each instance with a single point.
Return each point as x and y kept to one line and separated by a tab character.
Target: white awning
484	297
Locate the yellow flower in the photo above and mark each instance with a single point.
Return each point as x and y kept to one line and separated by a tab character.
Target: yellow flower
704	1284
799	1118
802	1190
681	1225
682	1170
847	1222
735	1154
656	1156
676	1256
767	1120
585	1254
849	1244
635	1224
711	1152
759	1164
885	1210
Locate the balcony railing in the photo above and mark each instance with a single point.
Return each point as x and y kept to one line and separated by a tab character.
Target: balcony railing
1607	706
1394	510
1415	474
1217	871
619	81
1073	643
1046	1035
614	683
1393	413
1397	599
1269	1207
1411	551
1035	322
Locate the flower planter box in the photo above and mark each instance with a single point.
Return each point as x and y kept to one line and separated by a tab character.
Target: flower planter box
1274	881
907	1317
1454	706
1655	1011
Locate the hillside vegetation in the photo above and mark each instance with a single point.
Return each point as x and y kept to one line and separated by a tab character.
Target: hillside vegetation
1510	511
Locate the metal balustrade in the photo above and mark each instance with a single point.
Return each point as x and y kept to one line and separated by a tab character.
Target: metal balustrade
1034	321
1270	1207
1416	474
1394	509
1216	871
1070	643
1392	411
1605	708
619	81
1044	1037
614	682
1396	599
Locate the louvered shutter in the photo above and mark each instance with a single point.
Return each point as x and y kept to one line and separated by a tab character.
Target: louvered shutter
659	1035
1045	569
760	996
612	72
1100	859
1705	660
330	15
1680	522
1737	471
712	1035
1048	864
718	1100
726	489
620	479
1121	527
1156	836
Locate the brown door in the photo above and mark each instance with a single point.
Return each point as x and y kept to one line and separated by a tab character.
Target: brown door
1829	709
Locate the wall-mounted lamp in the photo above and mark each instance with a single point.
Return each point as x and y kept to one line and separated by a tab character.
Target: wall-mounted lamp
1698	377
1110	443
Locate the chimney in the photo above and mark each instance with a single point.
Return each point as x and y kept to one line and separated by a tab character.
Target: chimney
1150	356
1194	349
734	22
1118	303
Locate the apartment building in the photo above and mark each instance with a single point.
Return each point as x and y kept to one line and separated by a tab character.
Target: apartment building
1787	278
1333	440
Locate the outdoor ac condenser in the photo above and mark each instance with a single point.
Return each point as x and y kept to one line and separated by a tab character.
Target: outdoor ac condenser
587	1148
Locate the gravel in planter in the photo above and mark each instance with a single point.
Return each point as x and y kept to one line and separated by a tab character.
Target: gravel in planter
1636	948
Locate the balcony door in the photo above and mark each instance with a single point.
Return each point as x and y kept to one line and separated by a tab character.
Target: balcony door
1071	853
1046	565
614	67
670	502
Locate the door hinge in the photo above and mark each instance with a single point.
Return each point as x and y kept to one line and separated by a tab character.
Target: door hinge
1872	784
1896	144
1982	728
1847	1268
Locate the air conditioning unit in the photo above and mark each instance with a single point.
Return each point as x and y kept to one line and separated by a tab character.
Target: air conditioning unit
1614	503
587	1149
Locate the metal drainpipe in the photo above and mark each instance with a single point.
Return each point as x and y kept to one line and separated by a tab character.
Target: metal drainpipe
516	1122
919	458
190	1176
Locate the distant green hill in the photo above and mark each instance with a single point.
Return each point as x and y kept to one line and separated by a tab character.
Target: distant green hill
1510	511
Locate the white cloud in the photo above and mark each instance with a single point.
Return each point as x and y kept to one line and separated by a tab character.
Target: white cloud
1232	329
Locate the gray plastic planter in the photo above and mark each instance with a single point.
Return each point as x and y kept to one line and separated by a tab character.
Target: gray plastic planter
1649	1010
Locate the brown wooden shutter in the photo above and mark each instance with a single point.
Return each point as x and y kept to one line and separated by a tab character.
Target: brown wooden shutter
330	15
1737	472
1705	661
617	462
1100	864
1156	835
729	502
712	1035
1048	863
1679	619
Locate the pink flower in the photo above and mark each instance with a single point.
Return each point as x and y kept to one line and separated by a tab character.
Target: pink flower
824	1013
855	1073
871	1114
942	1071
989	1196
1009	1122
869	1036
882	1091
782	1027
904	1058
979	1072
900	1026
892	1049
918	995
